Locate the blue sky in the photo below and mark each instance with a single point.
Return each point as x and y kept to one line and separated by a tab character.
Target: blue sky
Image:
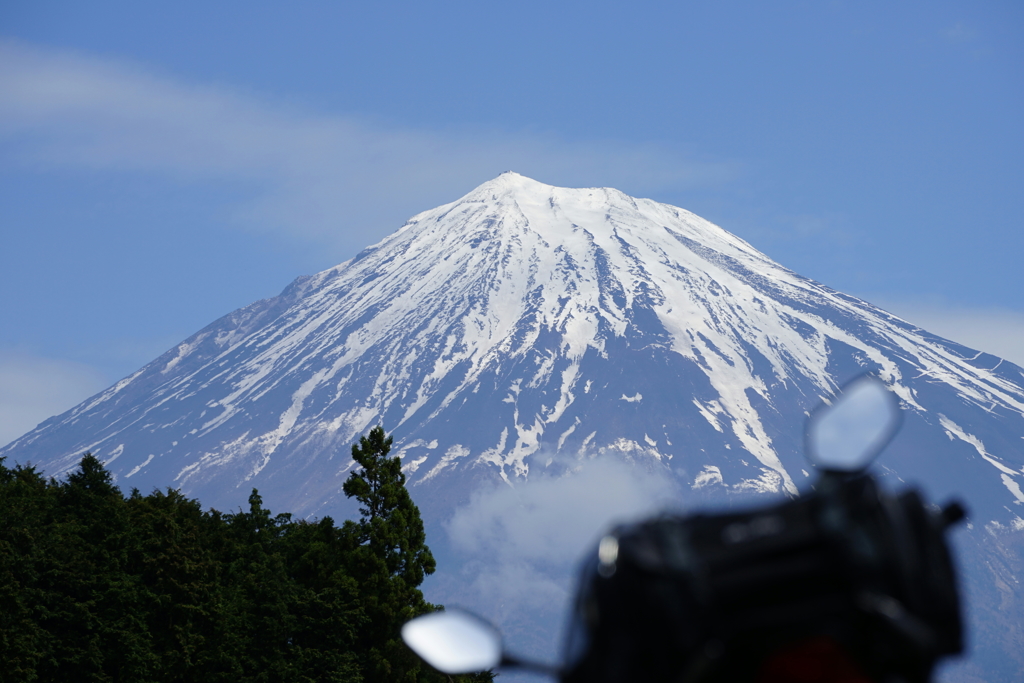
162	166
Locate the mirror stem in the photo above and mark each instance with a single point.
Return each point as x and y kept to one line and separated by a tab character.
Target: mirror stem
953	513
515	662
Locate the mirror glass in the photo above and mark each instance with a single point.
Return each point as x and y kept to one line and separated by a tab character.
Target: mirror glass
847	435
454	642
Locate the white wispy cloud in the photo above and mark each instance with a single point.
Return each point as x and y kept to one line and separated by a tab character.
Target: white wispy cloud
33	388
960	33
326	177
534	534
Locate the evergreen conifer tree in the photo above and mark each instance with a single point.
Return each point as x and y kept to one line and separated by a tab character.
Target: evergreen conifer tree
173	557
94	602
391	525
96	587
390	559
26	544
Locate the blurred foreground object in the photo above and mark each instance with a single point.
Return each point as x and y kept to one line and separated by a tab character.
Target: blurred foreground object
847	584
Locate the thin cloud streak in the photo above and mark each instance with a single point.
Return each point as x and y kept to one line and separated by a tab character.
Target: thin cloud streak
329	179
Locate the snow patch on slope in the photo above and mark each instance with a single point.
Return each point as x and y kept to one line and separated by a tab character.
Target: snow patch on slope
522	285
1007	474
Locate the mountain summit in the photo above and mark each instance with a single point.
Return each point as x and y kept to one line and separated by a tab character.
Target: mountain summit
520	323
525	330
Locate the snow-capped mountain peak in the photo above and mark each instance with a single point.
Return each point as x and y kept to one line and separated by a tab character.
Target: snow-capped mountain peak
528	333
516	325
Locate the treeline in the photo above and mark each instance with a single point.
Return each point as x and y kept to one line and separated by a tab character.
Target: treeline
95	586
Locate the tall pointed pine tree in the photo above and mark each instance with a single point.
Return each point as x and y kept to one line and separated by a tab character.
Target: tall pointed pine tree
390	559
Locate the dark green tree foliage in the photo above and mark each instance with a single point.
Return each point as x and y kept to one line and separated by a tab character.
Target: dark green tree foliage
27	554
94	597
178	559
391	558
98	587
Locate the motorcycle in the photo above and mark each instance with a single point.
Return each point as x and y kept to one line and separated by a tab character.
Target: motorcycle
848	583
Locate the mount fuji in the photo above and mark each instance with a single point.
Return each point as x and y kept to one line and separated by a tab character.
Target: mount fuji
546	355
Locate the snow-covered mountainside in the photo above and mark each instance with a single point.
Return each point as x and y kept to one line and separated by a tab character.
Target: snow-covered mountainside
526	329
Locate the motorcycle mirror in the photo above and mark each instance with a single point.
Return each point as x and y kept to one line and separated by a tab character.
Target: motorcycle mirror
454	642
846	436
